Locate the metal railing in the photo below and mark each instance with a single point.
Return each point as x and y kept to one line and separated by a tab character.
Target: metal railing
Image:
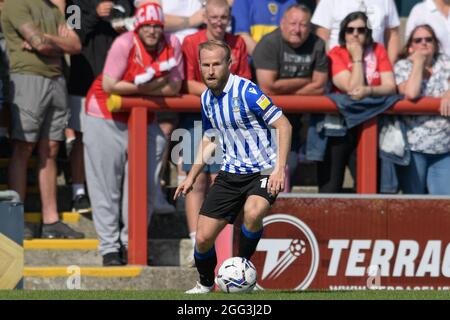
366	180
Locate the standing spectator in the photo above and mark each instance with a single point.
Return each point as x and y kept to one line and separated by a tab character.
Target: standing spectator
145	61
96	34
4	81
435	13
383	21
292	61
217	19
254	19
360	68
37	38
182	18
423	71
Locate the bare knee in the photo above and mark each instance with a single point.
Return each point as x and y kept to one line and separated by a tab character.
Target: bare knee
253	219
203	243
48	149
254	211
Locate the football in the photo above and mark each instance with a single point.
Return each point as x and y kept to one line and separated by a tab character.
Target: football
236	275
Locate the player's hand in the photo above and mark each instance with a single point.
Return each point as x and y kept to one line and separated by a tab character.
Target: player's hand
276	181
184	188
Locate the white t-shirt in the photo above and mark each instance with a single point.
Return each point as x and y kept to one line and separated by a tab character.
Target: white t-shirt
382	15
184	8
426	12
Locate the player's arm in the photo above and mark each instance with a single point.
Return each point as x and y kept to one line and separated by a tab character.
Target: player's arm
203	155
284	135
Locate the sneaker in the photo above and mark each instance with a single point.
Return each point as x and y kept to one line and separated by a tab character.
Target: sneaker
124	255
28	232
60	230
200	289
81	204
112	259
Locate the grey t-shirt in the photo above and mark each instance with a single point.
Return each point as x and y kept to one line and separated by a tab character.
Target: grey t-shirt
274	53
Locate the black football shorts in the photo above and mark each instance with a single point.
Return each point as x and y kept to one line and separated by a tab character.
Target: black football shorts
229	192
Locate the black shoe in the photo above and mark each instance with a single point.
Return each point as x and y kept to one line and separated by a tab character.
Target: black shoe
112	259
124	255
60	230
81	204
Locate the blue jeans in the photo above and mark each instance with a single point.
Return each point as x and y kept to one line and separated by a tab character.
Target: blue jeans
426	172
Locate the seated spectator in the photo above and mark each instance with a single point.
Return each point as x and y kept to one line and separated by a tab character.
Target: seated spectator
217	18
254	19
435	13
423	71
360	68
383	20
292	60
134	66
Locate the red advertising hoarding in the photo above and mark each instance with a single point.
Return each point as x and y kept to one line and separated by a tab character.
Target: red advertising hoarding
355	243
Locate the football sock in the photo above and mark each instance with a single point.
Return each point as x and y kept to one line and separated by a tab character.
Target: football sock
206	263
248	242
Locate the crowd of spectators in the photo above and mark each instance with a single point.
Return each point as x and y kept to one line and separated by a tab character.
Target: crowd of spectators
56	78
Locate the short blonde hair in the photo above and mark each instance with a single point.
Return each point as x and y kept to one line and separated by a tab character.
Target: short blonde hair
213	44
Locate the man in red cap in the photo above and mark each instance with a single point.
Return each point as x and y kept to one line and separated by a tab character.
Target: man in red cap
145	61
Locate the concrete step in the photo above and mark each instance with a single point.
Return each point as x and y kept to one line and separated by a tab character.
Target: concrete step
111	278
162	252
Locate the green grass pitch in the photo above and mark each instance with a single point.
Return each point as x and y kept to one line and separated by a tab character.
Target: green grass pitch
257	295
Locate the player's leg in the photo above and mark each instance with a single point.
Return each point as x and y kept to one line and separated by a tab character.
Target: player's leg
208	229
221	207
255	209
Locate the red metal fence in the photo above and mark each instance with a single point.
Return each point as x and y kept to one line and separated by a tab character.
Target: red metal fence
137	153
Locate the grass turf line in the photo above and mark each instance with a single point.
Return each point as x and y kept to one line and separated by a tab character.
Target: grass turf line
259	295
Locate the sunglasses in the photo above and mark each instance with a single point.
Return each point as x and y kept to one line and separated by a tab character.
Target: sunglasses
420	40
360	30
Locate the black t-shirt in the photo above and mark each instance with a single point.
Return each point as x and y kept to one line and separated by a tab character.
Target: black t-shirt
274	53
96	36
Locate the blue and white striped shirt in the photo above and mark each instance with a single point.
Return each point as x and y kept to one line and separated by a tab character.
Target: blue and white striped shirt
240	117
